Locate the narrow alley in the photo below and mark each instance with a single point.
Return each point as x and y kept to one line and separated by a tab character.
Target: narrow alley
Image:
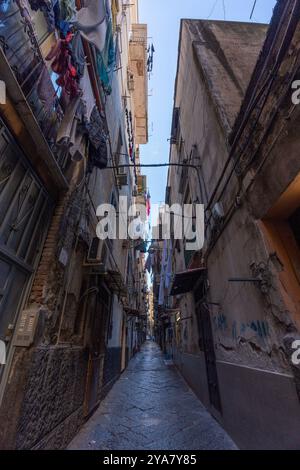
149	226
151	407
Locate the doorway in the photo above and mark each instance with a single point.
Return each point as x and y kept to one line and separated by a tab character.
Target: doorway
25	210
206	344
98	313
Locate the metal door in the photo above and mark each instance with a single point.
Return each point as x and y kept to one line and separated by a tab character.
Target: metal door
206	344
24	216
98	309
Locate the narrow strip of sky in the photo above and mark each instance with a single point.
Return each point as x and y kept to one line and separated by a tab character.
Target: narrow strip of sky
163	19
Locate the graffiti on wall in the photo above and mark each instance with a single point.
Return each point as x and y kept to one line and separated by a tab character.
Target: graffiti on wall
237	329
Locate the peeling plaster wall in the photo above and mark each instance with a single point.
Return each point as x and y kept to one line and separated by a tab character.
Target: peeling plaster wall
246	328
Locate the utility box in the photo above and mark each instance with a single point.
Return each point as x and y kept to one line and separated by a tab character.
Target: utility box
26	327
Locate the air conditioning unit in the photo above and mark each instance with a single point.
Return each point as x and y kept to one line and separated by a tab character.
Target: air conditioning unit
122	180
97	254
122	170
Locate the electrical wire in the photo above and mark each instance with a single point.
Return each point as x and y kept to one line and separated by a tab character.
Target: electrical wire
212	10
253	9
224	9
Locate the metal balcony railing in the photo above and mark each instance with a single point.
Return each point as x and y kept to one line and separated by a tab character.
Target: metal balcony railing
20	46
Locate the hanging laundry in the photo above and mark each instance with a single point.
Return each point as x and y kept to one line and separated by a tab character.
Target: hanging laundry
131	152
103	74
87	97
78	54
61	56
115	8
98	157
71	135
95	128
106	60
130	134
67	130
68	10
91	21
65	12
65	27
148	204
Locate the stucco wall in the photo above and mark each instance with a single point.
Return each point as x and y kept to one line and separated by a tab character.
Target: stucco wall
250	321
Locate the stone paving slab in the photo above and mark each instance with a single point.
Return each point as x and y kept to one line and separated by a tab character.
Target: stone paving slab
151	408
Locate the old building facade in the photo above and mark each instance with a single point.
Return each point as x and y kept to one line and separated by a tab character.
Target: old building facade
73	307
231	313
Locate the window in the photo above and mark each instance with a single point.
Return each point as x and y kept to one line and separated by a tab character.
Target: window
175	132
188	254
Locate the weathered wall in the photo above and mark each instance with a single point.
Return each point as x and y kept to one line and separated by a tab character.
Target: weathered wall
260	407
245	329
250	321
43	404
52	406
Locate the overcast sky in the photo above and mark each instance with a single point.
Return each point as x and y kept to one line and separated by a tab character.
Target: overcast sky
163	19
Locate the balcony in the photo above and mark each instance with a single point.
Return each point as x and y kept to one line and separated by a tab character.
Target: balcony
138	68
21	68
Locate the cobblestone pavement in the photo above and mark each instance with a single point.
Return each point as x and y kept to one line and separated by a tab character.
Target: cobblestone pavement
151	408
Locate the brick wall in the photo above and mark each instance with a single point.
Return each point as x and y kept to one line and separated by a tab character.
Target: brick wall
48	258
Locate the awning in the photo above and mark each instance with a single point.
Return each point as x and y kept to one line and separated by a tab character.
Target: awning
185	281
